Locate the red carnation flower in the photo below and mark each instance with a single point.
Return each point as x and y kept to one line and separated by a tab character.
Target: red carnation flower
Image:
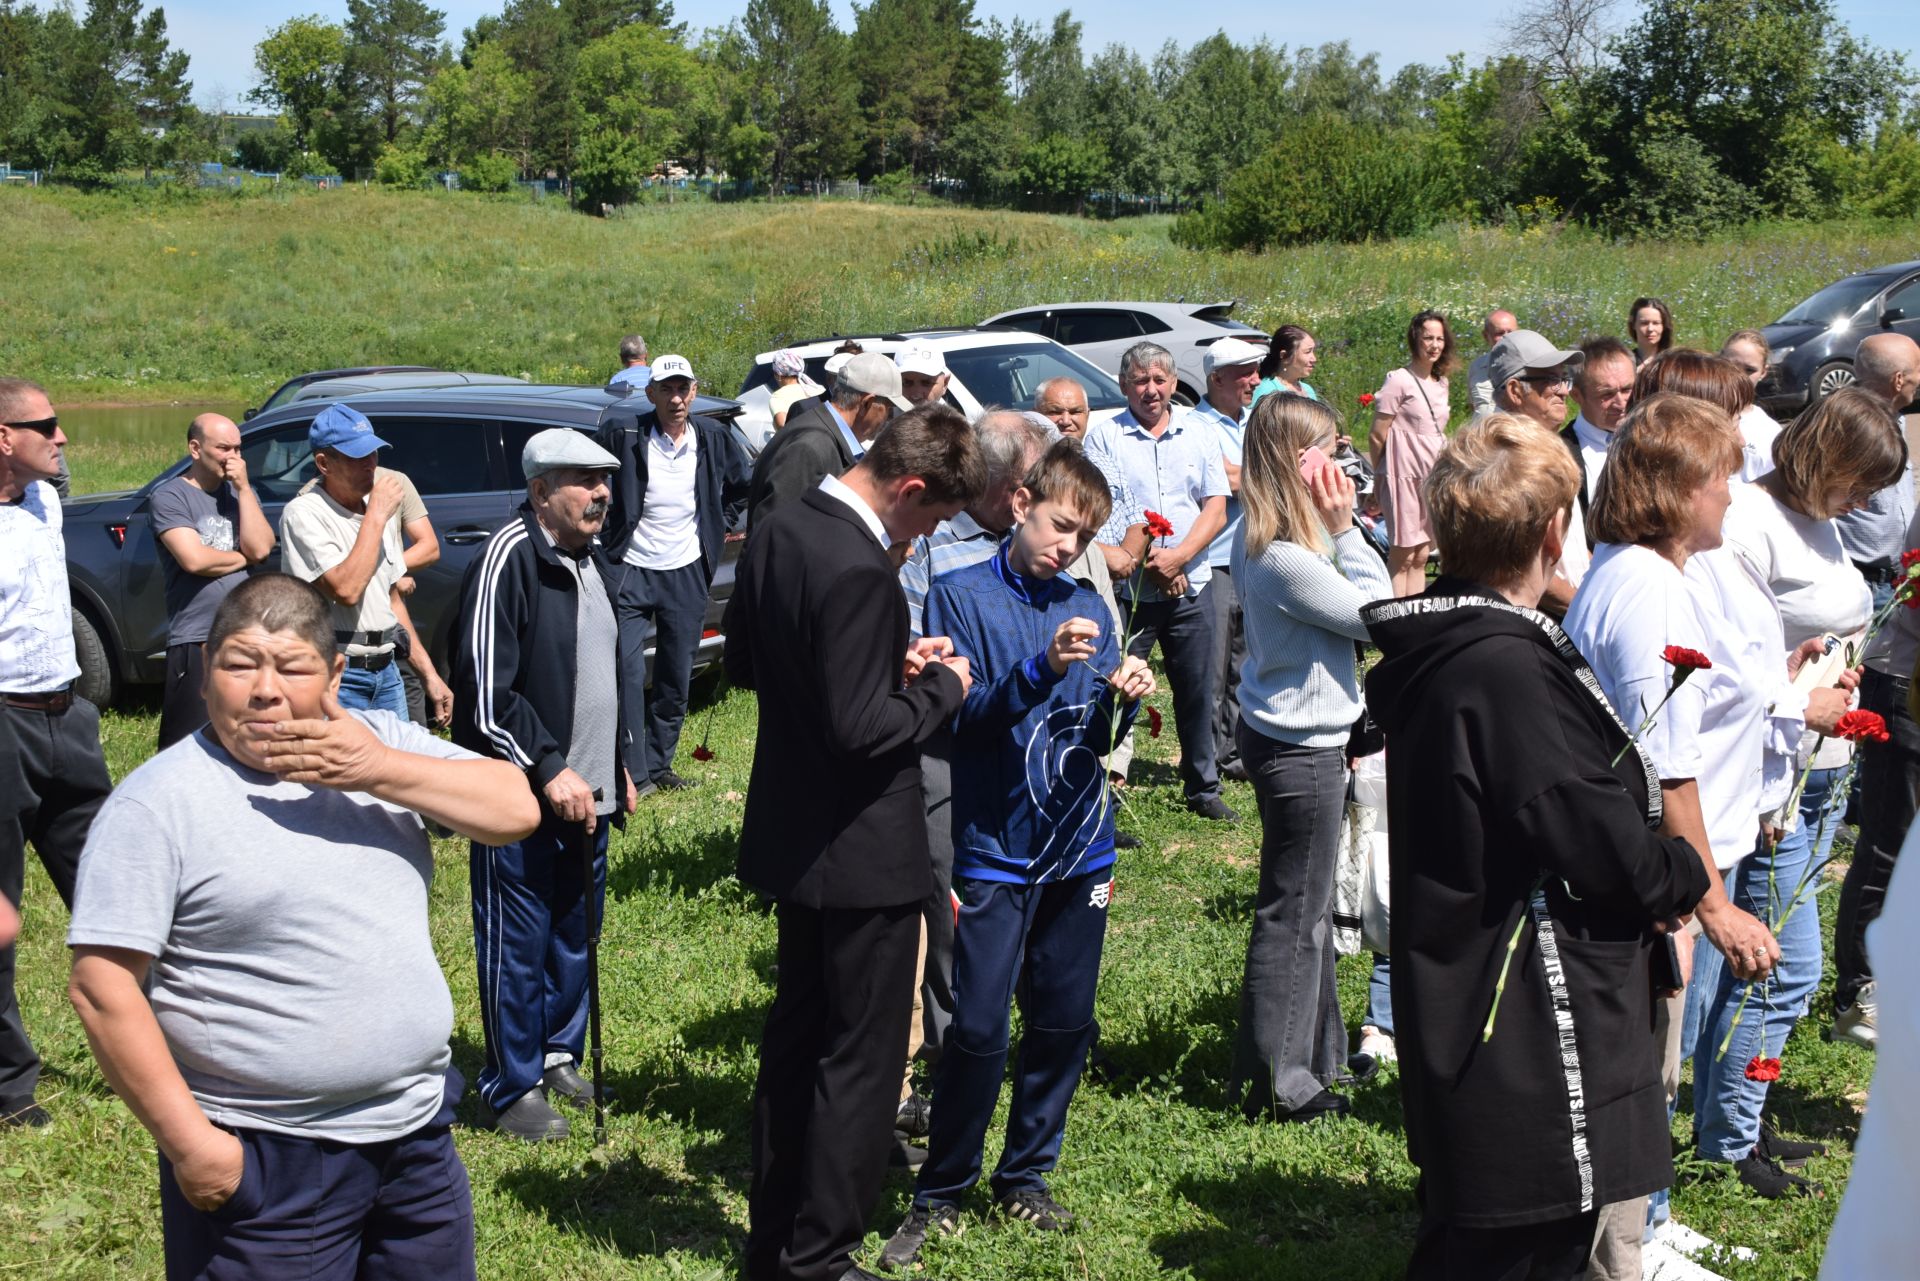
1910	558
1691	659
1153	722
1366	398
703	753
1159	526
1759	1069
1861	727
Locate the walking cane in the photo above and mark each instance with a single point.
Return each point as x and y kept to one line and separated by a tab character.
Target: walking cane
593	982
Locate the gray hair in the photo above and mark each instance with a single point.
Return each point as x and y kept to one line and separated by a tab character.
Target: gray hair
844	396
1007	441
1045	389
1145	355
633	347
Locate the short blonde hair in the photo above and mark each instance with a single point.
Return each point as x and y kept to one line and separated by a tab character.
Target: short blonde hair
1849	440
1669	447
1493	493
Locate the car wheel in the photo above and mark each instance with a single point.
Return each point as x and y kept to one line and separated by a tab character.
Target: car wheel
1185	397
99	684
1829	378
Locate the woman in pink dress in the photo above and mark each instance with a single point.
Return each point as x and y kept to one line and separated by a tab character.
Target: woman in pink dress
1409	430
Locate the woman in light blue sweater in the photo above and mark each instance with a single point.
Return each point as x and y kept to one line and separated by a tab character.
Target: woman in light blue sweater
1305	572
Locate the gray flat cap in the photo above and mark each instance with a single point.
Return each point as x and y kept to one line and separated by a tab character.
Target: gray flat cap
1523	351
557	448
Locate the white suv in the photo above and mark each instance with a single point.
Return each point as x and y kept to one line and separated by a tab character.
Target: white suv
988	369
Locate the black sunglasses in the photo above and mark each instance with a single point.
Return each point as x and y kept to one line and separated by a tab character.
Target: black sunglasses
45	426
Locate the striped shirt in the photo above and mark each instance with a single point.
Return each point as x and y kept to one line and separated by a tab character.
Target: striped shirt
954	544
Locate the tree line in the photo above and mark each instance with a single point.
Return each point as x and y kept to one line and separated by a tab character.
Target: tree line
1690	115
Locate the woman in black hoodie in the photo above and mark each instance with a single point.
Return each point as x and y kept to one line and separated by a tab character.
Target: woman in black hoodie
1525	1116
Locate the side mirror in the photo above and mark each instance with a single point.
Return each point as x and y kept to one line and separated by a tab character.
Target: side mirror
1892	314
249	415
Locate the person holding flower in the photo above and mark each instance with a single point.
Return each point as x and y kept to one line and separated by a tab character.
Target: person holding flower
1305	572
1410	413
1829	460
1517	815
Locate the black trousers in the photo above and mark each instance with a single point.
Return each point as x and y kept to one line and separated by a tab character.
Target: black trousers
668	607
1230	651
53	779
936	980
1184	630
183	708
829	1085
1889	786
1557	1250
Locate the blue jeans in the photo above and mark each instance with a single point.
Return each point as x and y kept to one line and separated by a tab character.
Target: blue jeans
1380	994
381	691
1726	1105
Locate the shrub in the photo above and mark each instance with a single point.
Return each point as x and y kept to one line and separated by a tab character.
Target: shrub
488	171
1678	190
398	166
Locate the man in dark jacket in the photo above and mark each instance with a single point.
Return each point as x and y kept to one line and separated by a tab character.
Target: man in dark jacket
824	437
835	828
537	682
681	485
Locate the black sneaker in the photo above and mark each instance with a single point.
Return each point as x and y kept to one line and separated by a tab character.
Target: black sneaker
566	1084
1125	840
905	1154
1212	807
915	1118
531	1119
1033	1205
672	782
29	1115
1325	1103
903	1247
1360	1069
1791	1153
1770	1181
1236	771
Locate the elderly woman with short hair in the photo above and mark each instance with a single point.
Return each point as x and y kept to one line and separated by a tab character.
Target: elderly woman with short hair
1531	1091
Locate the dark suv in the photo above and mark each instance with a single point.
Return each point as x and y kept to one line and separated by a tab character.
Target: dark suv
461	447
1813	345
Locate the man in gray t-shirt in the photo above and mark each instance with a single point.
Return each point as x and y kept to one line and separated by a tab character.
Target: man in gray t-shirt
254	969
211	530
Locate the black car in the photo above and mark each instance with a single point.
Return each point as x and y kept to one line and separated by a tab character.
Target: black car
459	445
1813	345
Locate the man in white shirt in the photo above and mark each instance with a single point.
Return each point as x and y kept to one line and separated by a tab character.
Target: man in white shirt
1531	379
682	485
1603	389
55	776
1232	367
1499	324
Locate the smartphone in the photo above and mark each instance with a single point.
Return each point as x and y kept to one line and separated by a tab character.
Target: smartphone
1312	459
1666	973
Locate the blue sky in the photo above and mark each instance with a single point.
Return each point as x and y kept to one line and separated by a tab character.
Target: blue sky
220	34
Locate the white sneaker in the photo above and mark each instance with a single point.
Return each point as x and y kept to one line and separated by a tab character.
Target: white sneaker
1859	1022
1377	1043
1677	1236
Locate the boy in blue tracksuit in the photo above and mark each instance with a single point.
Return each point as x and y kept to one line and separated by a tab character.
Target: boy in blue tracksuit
1033	843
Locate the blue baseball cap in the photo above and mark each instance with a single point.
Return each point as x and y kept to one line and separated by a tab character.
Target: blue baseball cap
344	430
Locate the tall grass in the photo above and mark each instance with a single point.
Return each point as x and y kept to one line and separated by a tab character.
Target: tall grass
222	296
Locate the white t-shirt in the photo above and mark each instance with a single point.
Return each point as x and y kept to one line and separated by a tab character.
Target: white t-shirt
317	533
1757	431
1574	556
1634	603
667	535
36	612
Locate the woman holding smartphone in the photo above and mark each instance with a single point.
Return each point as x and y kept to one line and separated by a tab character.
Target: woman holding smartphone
1306	571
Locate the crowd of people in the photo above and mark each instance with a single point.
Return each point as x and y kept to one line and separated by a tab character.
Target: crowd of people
1663	661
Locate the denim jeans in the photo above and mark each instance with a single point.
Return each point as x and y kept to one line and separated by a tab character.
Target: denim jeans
1380	994
381	691
1889	784
1184	629
1726	1105
1292	1041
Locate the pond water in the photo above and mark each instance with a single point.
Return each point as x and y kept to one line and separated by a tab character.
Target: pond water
155	426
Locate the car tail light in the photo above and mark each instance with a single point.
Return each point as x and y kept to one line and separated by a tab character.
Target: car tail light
118	533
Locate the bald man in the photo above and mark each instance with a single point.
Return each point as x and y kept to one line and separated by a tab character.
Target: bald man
211	531
1499	323
1887	783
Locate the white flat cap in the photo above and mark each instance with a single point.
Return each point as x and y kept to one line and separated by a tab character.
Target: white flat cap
558	448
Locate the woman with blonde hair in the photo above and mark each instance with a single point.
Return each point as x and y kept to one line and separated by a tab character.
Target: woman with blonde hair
1518	811
1304	571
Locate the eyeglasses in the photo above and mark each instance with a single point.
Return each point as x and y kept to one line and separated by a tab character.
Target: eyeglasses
1551	383
45	426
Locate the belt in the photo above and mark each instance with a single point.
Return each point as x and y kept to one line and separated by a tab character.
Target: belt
370	662
1877	573
374	639
54	704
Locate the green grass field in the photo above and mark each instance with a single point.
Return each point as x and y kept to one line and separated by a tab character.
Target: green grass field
1169	1180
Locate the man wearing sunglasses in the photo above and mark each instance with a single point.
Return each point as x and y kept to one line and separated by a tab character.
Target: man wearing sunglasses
51	769
1531	379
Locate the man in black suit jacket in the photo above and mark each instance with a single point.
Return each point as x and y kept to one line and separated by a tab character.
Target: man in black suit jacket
827	435
835	827
681	486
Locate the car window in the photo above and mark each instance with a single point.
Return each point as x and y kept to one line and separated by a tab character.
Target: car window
1034	322
1150	324
278	462
513	439
1009	375
440	455
1076	328
1837	301
1906	298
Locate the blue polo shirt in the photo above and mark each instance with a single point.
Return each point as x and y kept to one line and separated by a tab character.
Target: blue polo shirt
634	378
1173	474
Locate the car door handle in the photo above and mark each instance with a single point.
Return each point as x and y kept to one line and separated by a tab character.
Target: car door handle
467	533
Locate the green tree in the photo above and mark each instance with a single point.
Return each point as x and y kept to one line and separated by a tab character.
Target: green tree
628	87
1058	171
924	68
482	109
299	65
392	49
127	90
808	105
